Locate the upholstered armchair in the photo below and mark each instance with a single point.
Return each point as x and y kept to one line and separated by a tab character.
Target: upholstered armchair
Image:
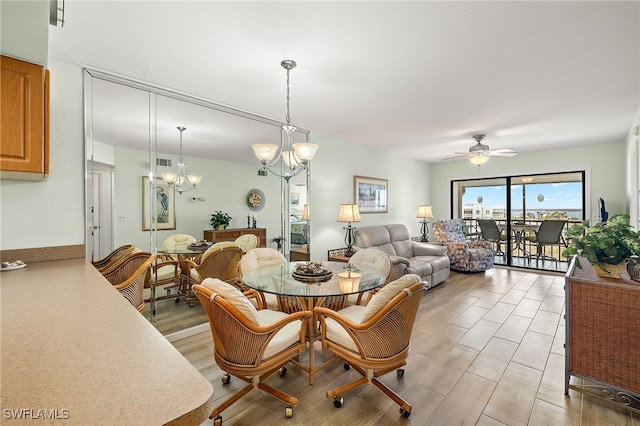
465	256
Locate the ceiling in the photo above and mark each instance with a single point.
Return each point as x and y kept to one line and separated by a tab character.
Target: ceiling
418	78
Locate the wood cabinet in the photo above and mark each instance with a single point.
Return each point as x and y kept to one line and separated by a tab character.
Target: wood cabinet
602	336
24	151
230	234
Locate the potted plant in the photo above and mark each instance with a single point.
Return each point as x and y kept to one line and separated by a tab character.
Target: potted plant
278	241
220	220
604	244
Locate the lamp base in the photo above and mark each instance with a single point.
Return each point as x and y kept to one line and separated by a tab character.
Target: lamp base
424	239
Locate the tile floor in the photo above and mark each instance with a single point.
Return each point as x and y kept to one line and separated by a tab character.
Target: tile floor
487	349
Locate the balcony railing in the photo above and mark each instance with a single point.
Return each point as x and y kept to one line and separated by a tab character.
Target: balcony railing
523	250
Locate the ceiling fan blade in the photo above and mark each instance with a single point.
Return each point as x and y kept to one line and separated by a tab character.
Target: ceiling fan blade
456	157
506	152
462	153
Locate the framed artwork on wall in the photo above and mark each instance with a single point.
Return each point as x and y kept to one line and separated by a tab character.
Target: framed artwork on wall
370	194
164	208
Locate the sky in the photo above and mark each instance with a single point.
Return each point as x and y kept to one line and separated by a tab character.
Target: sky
541	196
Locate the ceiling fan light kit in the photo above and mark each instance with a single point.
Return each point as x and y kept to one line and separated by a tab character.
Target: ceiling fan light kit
479	153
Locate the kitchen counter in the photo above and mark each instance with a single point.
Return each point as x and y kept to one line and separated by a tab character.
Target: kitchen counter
74	351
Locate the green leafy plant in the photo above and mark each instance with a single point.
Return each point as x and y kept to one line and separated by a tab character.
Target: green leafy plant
278	241
605	243
220	219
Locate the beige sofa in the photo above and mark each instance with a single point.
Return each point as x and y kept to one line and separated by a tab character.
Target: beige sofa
429	261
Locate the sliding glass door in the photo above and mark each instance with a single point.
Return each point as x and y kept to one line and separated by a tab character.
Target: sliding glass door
519	205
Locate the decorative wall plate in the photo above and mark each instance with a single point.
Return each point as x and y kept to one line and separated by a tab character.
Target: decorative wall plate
255	199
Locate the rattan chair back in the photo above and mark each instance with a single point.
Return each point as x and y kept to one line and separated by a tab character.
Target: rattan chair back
114	257
221	264
131	275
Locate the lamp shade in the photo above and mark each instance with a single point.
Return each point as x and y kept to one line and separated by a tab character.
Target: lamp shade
305	212
478	159
424	211
349	281
265	151
349	213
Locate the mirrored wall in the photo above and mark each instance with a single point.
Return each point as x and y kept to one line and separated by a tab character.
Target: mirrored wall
132	139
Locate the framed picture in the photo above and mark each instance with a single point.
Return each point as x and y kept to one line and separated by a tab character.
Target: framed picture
295	197
158	205
370	194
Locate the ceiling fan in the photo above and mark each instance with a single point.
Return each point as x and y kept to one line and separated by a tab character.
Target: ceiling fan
480	153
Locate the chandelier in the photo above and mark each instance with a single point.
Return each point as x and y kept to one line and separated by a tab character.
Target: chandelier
295	156
181	181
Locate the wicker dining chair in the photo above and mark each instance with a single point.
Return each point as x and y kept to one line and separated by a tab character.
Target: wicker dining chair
219	261
166	269
250	344
130	275
113	257
374	339
371	259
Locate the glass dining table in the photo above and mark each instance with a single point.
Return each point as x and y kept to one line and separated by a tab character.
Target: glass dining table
281	281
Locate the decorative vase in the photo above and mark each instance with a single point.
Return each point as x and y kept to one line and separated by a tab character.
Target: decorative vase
634	270
612	271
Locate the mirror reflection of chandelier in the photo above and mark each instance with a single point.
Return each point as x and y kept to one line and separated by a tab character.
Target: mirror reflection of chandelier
180	181
295	156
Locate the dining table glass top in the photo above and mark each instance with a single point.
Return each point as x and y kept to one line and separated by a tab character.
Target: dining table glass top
278	279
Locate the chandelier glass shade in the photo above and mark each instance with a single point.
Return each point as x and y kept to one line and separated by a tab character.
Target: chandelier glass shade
295	156
179	180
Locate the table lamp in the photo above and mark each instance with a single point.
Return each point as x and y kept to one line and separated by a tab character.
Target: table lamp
349	213
349	281
424	213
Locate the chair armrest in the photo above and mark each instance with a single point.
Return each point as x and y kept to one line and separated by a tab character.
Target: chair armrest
395	260
480	244
426	249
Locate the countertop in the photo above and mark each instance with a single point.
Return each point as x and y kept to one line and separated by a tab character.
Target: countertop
74	351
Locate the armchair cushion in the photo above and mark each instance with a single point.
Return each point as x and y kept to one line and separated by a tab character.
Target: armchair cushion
234	296
388	292
287	336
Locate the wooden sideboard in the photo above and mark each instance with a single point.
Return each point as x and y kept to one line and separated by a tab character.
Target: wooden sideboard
603	336
230	234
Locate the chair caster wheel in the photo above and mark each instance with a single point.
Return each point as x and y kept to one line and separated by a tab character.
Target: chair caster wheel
177	299
288	411
191	305
226	379
282	371
405	413
346	366
217	421
169	291
337	401
400	372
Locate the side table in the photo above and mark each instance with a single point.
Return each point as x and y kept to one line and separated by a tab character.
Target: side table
338	255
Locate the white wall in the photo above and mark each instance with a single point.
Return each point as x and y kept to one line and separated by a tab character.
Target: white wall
51	213
333	168
605	164
224	186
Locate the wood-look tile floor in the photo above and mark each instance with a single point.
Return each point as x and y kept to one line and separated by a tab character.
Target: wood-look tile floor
487	349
